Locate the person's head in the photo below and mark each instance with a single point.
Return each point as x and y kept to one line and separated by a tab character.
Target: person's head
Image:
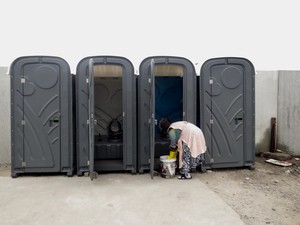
164	125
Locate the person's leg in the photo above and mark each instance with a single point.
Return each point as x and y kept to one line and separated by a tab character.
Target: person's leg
196	163
186	163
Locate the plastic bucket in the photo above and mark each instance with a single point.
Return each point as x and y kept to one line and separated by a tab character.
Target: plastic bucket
167	167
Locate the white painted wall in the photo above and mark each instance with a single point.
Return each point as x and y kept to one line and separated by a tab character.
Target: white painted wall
266	92
289	111
4	116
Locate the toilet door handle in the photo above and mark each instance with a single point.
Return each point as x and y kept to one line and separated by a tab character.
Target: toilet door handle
54	120
238	119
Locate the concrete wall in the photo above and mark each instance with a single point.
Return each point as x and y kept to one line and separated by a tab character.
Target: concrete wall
266	92
289	112
4	116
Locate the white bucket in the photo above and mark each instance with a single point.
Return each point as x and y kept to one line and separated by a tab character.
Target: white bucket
167	167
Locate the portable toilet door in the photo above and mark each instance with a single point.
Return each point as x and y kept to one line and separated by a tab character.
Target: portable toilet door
41	115
106	115
166	89
227	112
91	118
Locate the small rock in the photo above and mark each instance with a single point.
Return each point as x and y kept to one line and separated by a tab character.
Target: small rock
276	181
247	178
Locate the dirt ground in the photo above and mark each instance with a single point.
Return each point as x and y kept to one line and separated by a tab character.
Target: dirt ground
269	194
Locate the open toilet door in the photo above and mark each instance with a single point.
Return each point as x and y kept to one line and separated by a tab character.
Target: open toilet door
152	117
90	83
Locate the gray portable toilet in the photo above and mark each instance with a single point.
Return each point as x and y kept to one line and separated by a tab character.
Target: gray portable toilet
227	112
166	89
41	116
106	115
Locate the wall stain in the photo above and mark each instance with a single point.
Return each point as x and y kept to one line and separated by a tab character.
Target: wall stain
264	144
285	149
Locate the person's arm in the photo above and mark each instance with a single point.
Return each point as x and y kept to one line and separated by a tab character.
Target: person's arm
173	141
173	144
174	135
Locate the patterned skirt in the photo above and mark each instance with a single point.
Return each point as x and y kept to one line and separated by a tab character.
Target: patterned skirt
189	162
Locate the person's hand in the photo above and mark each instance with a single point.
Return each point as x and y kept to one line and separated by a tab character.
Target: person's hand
172	154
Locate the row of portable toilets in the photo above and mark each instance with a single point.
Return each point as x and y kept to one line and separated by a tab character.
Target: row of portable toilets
105	118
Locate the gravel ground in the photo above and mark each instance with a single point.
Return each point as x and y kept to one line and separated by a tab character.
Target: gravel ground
269	194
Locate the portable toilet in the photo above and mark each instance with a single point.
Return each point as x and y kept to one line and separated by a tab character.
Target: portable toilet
166	89
106	115
227	112
41	116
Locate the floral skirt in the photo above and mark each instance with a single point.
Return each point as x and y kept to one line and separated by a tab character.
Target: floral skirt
189	162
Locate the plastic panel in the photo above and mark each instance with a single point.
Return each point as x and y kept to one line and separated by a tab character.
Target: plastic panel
115	98
227	112
91	118
175	98
41	96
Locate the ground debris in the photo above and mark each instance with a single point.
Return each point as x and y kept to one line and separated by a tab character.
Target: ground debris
278	162
282	159
281	156
260	190
295	172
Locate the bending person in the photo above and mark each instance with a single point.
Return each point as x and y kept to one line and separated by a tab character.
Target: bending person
188	139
